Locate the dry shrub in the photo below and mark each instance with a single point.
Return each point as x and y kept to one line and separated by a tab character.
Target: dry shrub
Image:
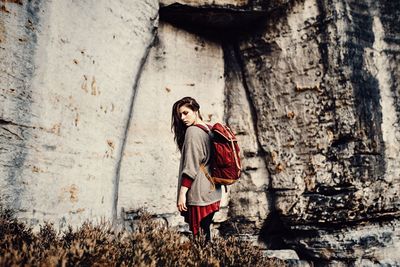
150	244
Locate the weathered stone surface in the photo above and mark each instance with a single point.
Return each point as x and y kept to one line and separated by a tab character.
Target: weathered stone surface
284	254
67	73
327	116
377	242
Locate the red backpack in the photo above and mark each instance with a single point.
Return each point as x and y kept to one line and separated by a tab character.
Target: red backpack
225	165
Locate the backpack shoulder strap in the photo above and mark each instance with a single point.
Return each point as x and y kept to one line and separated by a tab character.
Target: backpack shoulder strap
207	130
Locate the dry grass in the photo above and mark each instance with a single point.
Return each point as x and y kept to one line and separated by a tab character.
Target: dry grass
149	244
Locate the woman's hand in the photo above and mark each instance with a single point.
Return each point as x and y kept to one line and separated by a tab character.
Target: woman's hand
182	199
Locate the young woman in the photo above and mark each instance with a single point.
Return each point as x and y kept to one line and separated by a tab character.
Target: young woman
197	198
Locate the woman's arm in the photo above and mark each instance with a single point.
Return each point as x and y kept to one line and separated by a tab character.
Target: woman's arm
185	186
182	198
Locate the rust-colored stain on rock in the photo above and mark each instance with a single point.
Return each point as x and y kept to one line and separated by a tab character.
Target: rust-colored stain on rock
110	150
94	86
19	2
80	210
70	193
290	115
73	191
4	9
279	168
56	129
84	84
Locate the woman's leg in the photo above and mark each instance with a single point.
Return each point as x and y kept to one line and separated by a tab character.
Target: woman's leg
205	226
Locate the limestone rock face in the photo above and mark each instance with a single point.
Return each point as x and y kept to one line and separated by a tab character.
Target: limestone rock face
322	78
326	112
67	75
310	87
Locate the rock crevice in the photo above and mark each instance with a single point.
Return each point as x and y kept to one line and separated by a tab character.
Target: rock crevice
129	120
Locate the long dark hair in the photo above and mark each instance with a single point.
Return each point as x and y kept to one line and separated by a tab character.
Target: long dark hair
177	125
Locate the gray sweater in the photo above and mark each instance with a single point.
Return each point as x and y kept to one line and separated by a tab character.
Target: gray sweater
197	150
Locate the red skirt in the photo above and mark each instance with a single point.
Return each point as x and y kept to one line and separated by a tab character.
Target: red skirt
195	214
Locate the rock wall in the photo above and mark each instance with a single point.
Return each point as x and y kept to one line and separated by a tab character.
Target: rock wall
68	72
310	87
322	78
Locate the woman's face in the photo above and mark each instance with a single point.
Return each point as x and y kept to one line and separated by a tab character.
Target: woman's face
187	116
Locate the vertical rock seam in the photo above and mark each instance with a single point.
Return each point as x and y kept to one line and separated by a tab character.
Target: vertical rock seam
238	59
272	229
387	99
271	198
128	122
366	90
